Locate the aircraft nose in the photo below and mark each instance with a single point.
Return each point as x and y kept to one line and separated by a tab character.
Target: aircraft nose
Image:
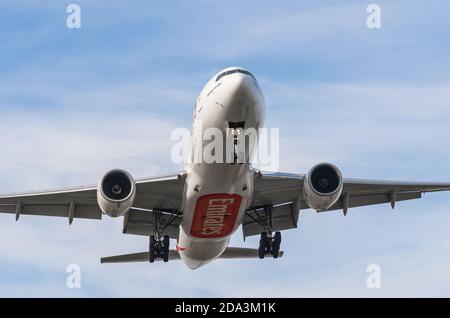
236	98
241	86
241	94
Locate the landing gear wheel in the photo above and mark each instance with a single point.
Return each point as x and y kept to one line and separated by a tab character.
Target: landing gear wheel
152	249
261	252
263	244
166	244
264	237
278	237
269	245
276	244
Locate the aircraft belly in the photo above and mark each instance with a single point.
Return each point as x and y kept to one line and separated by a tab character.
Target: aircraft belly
216	197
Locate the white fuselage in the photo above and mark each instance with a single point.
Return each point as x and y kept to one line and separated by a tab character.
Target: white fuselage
216	195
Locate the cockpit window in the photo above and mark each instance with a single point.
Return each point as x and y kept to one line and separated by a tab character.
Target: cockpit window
248	73
234	71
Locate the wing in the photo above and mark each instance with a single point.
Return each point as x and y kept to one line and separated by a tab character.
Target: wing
151	193
284	191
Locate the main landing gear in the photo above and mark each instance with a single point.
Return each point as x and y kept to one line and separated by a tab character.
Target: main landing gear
159	242
159	248
269	244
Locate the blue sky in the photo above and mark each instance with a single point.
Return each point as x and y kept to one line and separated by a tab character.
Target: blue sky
75	103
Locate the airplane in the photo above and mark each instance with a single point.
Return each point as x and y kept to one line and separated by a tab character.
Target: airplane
202	206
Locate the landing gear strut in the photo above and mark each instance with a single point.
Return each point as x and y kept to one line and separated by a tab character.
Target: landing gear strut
269	244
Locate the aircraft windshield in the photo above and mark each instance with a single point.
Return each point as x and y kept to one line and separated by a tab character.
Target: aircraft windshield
223	74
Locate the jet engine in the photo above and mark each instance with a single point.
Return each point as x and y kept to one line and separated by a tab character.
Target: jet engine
323	186
116	192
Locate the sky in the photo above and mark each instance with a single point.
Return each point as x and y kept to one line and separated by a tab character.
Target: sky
75	103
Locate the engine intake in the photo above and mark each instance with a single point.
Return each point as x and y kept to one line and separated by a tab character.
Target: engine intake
116	192
323	186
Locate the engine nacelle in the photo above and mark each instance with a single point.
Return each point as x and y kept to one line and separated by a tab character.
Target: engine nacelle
116	192
323	186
